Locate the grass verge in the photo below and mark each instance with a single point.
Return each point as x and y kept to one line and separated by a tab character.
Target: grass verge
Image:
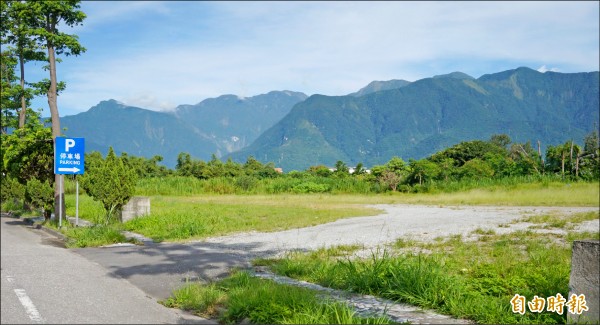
467	279
180	218
243	297
184	218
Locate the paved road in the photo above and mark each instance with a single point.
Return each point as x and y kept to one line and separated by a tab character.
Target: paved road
42	282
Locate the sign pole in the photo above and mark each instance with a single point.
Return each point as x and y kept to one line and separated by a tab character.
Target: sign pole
60	199
69	154
76	201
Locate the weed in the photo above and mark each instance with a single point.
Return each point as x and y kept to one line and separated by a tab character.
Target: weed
97	235
474	280
261	301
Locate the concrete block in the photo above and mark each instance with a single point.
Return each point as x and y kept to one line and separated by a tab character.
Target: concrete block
137	206
585	279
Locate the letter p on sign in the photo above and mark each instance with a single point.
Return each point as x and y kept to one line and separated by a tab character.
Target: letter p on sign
69	143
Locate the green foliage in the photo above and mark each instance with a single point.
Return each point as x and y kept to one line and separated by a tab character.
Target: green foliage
27	162
40	195
11	189
424	170
466	279
242	296
94	236
28	152
475	169
466	151
110	182
320	170
310	187
495	162
145	167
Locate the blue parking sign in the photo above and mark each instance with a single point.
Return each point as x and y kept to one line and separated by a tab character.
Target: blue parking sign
69	156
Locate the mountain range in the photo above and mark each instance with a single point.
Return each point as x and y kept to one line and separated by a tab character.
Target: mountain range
381	120
214	126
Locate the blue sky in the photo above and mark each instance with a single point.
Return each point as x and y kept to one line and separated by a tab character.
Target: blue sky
159	55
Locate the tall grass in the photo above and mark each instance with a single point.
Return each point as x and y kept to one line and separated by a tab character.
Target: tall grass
473	280
534	194
97	235
261	301
179	185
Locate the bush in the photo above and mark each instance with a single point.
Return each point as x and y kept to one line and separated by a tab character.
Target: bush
310	187
12	190
40	195
111	183
246	183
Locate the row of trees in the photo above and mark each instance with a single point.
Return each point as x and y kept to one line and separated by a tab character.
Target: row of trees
496	158
30	32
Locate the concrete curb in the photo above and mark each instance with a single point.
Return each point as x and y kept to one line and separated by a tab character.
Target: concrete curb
142	241
47	230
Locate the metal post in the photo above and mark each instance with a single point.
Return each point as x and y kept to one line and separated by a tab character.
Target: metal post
60	199
76	201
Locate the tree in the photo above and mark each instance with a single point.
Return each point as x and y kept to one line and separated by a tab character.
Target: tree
43	19
9	92
252	166
527	160
476	168
27	154
319	170
396	164
424	170
111	183
390	179
465	151
500	140
39	194
561	158
341	169
359	169
17	33
588	162
184	164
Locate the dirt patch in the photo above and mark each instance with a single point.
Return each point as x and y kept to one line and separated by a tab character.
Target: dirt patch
411	222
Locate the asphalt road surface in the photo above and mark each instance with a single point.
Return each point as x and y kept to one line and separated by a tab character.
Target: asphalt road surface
42	282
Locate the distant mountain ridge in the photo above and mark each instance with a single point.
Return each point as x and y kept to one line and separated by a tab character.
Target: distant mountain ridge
430	114
213	126
382	120
376	86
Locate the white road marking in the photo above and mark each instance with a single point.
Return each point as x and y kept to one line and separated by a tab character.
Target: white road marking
30	309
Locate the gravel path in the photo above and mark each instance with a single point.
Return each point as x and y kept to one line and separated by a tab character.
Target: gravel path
418	222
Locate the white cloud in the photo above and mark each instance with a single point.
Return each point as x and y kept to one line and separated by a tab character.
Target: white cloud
183	52
543	69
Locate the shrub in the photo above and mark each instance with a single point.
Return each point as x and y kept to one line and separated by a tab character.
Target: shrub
111	183
310	187
246	183
41	195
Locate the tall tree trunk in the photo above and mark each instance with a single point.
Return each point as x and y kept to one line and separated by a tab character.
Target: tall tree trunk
562	163
23	103
58	190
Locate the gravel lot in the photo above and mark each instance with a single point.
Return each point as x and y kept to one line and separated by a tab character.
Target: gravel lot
418	222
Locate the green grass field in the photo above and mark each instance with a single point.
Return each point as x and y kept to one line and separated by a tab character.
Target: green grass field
466	279
186	217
